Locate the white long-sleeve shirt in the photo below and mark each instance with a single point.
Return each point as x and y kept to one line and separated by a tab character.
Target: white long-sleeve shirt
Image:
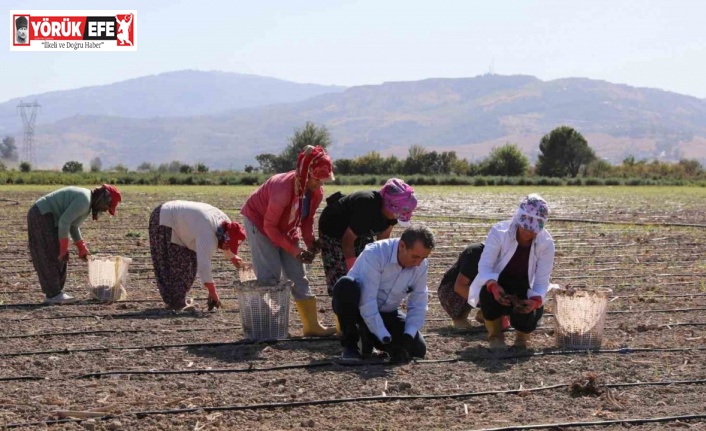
384	284
500	246
194	226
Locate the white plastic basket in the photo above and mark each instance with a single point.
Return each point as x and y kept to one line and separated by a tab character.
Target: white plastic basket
264	309
107	277
579	317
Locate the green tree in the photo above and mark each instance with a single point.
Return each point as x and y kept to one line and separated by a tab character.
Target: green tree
96	164
120	168
310	134
599	168
201	168
507	160
416	159
344	166
145	167
25	167
185	169
267	162
563	152
8	149
72	167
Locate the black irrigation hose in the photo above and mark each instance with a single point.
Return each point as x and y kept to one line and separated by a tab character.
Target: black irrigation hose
21	378
119	331
294	404
572	220
562	425
197	314
366	363
162	332
164	346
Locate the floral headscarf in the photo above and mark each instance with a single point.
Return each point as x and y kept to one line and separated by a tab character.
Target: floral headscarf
398	198
533	213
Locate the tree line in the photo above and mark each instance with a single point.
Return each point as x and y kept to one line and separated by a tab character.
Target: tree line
563	153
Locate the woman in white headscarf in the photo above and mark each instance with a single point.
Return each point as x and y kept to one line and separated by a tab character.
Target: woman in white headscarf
513	273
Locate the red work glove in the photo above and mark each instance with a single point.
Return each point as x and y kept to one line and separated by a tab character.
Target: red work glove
64	249
498	293
349	263
529	305
82	249
213	300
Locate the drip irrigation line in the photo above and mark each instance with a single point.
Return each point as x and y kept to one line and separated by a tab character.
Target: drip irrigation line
116	331
20	378
176	331
188	314
573	220
320	364
325	296
164	346
333	401
561	425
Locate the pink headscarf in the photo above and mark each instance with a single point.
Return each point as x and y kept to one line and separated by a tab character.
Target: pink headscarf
398	198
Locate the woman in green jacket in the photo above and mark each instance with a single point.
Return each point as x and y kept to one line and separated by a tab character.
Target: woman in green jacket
50	222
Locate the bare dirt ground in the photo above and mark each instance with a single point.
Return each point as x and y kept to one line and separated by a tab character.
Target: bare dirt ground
136	366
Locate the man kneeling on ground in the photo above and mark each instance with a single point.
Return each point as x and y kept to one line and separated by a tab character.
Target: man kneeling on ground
367	300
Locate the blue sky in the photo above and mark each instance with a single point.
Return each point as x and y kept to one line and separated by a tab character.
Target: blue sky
658	44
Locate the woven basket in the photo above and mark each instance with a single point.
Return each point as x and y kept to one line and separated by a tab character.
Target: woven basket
579	317
107	277
264	309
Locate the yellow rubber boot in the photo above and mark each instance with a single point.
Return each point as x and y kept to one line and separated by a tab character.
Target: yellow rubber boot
496	337
310	319
462	321
339	332
479	317
521	339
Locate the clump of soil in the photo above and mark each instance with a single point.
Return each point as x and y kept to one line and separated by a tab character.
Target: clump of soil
589	384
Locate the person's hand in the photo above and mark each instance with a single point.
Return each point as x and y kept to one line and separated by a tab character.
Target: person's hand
498	293
83	252
64	250
528	305
408	343
236	261
399	352
213	300
306	257
315	247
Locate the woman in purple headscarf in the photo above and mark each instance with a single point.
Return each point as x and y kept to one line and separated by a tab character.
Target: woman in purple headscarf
350	222
508	275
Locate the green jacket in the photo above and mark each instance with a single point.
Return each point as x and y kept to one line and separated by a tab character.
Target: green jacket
70	207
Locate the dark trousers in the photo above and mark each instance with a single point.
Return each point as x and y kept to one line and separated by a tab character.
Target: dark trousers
493	310
346	302
44	249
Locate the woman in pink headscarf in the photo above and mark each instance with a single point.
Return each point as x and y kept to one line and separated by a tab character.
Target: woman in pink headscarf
506	277
275	215
350	222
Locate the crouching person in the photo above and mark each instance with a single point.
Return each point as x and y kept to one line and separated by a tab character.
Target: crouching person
513	273
367	300
183	237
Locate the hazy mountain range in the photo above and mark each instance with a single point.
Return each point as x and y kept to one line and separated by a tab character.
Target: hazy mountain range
225	119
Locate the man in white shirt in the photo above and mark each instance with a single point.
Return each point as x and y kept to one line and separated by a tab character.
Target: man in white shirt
367	300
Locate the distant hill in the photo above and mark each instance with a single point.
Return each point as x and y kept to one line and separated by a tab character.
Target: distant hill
467	115
174	94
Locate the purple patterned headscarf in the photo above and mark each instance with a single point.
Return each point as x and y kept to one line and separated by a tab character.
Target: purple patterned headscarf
533	213
398	198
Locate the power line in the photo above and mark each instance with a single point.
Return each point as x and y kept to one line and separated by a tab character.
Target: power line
28	112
